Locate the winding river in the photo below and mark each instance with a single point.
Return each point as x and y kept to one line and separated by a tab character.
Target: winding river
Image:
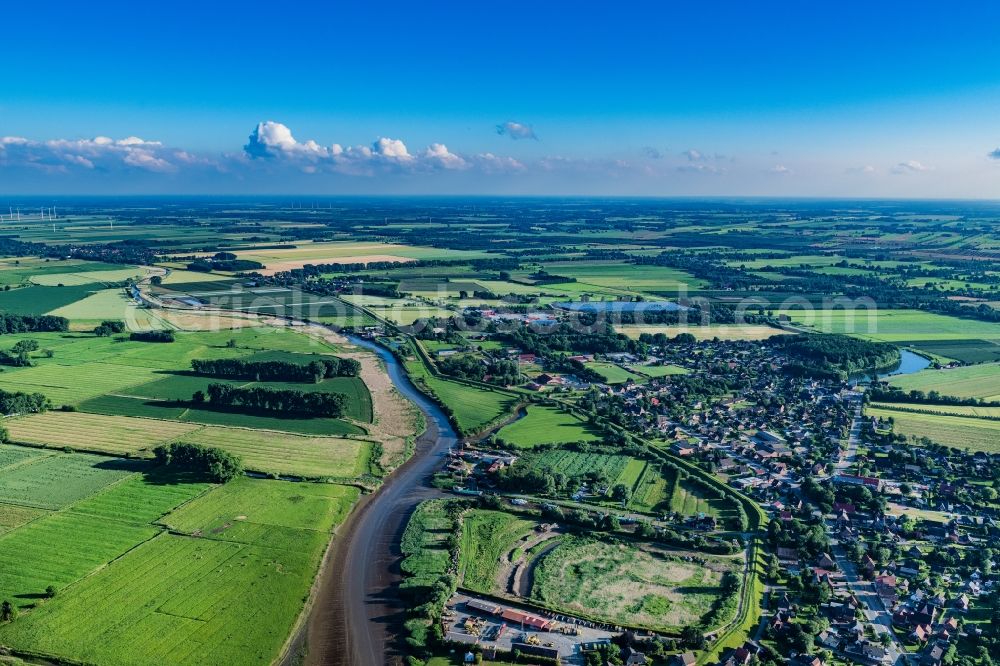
357	611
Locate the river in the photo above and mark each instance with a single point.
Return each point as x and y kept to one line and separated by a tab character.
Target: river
357	612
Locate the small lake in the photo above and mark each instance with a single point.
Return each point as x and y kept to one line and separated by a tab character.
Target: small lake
909	363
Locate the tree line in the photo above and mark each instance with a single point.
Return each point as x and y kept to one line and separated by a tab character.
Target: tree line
279	371
15	323
209	462
285	401
18	402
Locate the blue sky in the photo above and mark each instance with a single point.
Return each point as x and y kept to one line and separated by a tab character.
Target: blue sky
770	98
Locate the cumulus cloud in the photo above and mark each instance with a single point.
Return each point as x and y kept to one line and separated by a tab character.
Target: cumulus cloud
516	131
780	169
910	166
652	152
438	153
994	154
391	148
693	155
99	153
270	139
866	169
701	168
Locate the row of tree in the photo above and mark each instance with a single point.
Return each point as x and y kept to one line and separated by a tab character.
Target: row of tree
284	401
206	462
280	371
18	402
15	323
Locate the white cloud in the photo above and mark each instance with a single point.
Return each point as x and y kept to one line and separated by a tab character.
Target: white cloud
867	169
270	139
391	148
701	168
516	131
438	153
780	169
693	155
103	153
652	152
910	166
994	154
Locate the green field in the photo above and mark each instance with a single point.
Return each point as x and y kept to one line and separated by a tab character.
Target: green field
895	325
487	536
612	373
629	585
56	481
546	425
975	381
230	597
472	407
957	431
37	300
656	371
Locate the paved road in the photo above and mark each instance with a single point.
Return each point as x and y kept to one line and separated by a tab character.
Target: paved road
847	460
357	613
875	611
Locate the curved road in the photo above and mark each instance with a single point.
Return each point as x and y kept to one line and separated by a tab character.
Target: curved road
357	610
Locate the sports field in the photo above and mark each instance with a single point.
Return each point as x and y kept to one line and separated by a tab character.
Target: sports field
546	425
612	373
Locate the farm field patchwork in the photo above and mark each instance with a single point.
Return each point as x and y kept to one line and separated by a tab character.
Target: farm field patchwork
94	432
546	425
895	325
55	481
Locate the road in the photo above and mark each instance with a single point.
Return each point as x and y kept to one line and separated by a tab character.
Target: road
875	611
357	612
847	460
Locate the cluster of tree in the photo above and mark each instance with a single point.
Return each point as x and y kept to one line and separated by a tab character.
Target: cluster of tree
501	372
809	538
544	277
18	402
840	354
152	336
17	355
566	338
206	462
277	371
109	327
15	323
223	261
285	401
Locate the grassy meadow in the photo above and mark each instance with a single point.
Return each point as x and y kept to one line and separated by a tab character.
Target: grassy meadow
546	425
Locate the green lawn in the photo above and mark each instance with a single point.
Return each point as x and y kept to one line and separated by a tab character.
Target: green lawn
546	425
473	408
613	374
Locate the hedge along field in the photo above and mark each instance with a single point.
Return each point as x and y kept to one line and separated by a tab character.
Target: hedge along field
961	432
95	432
721	331
974	381
546	425
53	482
